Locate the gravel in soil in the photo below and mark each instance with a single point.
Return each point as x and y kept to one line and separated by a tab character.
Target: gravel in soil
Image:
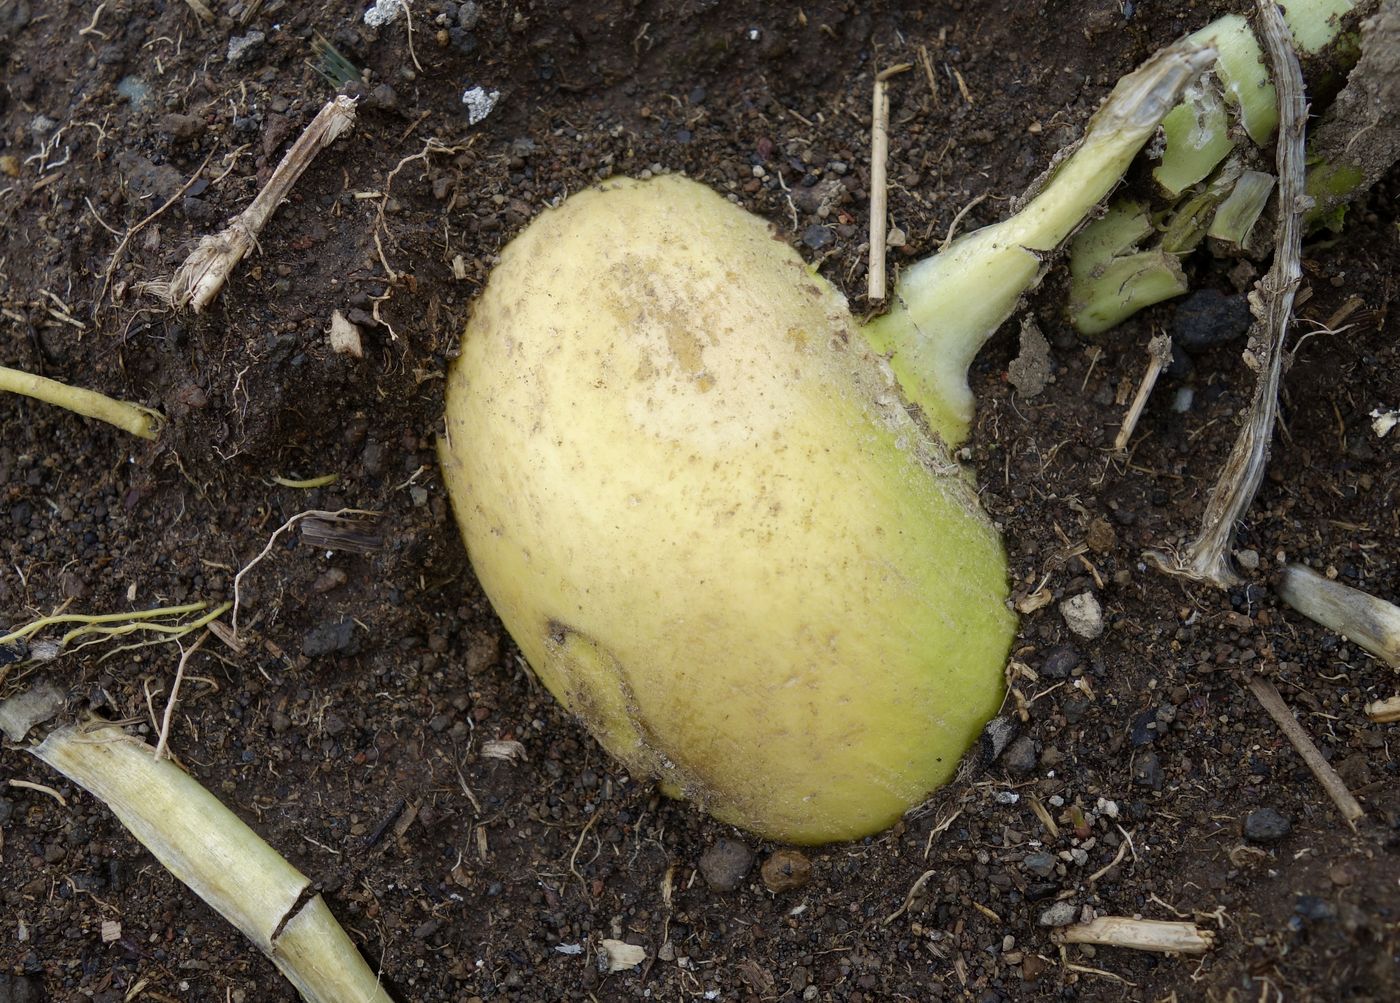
352	729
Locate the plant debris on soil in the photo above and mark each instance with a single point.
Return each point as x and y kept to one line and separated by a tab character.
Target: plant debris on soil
372	721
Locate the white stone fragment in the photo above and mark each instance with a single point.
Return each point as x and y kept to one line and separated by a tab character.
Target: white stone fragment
1083	615
618	955
383	12
479	102
345	336
1383	420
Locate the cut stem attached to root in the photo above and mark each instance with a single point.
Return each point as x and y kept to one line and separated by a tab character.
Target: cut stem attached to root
947	306
128	417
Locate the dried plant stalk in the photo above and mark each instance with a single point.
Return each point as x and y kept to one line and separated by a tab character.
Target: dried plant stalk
1167	936
1159	353
209	265
879	196
1268	696
1208	557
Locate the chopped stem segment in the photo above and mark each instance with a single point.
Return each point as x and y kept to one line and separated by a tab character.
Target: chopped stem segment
1236	101
1167	936
1360	617
219	857
1269	698
131	418
1235	217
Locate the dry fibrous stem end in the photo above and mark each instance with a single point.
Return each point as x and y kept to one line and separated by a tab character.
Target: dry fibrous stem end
1360	617
133	418
1166	936
1207	558
200	841
199	279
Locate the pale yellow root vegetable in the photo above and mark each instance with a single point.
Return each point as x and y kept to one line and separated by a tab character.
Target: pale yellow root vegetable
716	527
699	504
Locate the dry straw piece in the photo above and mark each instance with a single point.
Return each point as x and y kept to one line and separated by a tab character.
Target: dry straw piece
1167	936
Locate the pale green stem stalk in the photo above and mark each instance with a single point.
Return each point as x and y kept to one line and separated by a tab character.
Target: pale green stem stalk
223	861
1235	218
947	306
131	418
1199	136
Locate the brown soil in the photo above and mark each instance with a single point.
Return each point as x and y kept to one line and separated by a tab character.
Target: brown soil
348	729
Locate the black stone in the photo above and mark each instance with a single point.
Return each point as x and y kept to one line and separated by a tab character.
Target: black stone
1060	661
1266	826
1208	318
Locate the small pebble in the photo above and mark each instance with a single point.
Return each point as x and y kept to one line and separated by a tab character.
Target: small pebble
1101	537
725	864
241	47
1208	317
1060	661
1059	914
1020	757
817	237
1147	771
996	736
1040	863
330	638
1144	730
